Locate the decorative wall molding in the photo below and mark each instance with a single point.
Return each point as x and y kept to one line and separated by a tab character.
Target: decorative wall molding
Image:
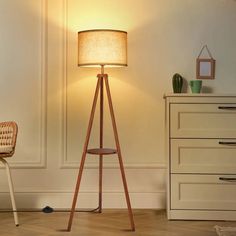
87	200
65	163
154	165
41	162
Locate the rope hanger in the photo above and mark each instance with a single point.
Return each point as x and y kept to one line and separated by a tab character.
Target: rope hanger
209	53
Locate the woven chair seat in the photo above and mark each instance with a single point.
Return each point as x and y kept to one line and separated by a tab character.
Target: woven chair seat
5	149
8	135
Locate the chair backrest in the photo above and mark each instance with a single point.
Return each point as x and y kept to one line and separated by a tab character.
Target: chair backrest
8	135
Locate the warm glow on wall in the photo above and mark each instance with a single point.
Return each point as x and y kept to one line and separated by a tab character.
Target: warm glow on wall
98	15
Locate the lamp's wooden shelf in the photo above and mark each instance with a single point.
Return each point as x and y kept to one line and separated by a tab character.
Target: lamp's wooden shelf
102	151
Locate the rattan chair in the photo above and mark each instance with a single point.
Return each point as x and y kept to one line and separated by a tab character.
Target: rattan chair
8	134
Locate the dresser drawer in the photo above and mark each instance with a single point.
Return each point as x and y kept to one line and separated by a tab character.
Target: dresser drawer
213	156
203	120
202	192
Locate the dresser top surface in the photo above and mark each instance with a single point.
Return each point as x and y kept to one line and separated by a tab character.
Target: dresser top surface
198	95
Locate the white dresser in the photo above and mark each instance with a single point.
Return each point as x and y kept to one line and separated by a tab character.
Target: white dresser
201	152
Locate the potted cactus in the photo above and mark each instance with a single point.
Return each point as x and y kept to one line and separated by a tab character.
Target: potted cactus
177	83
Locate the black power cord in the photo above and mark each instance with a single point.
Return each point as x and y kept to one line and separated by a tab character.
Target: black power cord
49	209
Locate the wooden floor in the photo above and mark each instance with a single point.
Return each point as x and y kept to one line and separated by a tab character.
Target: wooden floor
109	223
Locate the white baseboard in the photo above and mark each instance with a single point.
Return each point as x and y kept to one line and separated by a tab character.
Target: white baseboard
63	200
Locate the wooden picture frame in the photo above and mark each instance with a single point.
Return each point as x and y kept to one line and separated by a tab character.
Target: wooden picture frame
205	68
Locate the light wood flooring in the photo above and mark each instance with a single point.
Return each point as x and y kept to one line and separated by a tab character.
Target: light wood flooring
108	223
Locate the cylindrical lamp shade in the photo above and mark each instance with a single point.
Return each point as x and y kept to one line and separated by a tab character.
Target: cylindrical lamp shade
102	47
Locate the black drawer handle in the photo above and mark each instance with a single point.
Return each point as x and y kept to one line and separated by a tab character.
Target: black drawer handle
226	108
227	143
227	179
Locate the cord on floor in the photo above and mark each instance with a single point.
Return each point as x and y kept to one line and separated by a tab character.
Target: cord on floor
48	209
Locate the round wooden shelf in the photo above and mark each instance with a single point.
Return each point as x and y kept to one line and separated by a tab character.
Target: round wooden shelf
101	151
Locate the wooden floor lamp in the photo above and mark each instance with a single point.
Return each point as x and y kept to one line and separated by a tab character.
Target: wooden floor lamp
102	48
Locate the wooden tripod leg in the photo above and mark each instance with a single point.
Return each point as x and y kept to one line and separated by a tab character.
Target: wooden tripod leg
100	183
83	156
101	146
119	154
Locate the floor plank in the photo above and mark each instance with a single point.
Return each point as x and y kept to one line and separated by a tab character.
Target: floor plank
109	223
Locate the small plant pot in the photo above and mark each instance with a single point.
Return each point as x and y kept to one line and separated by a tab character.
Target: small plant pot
177	83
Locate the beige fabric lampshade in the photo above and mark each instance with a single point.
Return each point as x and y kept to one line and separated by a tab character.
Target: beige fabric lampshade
102	47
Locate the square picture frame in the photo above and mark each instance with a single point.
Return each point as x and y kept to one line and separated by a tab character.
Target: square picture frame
205	68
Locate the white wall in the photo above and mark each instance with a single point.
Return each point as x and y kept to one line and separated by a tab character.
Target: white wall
39	66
